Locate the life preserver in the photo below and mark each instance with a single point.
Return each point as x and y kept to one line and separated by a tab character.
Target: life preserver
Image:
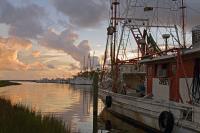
108	101
166	122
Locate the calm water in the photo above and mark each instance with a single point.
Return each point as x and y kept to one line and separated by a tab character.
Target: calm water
72	104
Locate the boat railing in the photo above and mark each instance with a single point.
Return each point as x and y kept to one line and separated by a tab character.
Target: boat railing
150	101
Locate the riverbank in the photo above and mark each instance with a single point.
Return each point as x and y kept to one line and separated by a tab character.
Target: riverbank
19	119
4	83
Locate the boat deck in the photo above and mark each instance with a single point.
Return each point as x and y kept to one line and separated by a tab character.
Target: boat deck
131	92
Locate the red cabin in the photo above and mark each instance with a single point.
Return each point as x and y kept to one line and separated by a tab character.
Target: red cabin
171	76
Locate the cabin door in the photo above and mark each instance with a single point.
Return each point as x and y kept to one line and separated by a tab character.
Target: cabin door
161	83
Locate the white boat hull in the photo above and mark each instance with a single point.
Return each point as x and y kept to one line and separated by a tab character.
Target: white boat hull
147	111
81	81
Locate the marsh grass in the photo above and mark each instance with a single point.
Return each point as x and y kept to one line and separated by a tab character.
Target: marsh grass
7	83
19	119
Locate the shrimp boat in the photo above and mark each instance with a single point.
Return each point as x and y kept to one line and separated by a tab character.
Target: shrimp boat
160	87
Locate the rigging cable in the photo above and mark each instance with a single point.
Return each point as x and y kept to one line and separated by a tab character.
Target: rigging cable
125	47
173	41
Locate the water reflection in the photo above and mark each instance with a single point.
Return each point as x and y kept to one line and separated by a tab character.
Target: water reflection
116	125
72	104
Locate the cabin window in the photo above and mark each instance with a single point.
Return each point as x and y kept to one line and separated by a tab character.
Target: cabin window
162	70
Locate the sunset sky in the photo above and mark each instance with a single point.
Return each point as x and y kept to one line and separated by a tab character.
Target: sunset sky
49	38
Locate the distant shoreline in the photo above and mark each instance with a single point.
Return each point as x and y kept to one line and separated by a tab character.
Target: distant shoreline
4	83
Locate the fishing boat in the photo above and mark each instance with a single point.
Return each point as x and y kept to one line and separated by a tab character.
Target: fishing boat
85	77
160	88
79	80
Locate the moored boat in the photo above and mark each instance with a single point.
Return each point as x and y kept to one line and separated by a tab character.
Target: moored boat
84	78
161	90
79	80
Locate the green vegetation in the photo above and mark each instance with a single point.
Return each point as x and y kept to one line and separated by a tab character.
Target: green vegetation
19	119
7	83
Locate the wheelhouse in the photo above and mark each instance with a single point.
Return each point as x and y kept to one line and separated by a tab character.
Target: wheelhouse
173	76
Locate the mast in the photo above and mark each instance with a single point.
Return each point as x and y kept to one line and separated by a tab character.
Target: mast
183	23
110	35
114	70
83	63
93	60
115	4
90	63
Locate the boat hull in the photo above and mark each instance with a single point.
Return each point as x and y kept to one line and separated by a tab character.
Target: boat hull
146	112
80	81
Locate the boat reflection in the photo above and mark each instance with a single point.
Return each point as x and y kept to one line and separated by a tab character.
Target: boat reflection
111	123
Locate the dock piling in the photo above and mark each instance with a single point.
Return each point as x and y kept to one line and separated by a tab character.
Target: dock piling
95	101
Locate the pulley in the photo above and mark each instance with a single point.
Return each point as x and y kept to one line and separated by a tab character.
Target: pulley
110	30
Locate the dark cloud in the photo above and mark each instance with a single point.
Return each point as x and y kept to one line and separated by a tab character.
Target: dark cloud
83	13
25	21
65	41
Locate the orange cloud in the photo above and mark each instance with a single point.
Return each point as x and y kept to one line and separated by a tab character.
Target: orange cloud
36	54
9	61
15	43
9	48
13	67
36	66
